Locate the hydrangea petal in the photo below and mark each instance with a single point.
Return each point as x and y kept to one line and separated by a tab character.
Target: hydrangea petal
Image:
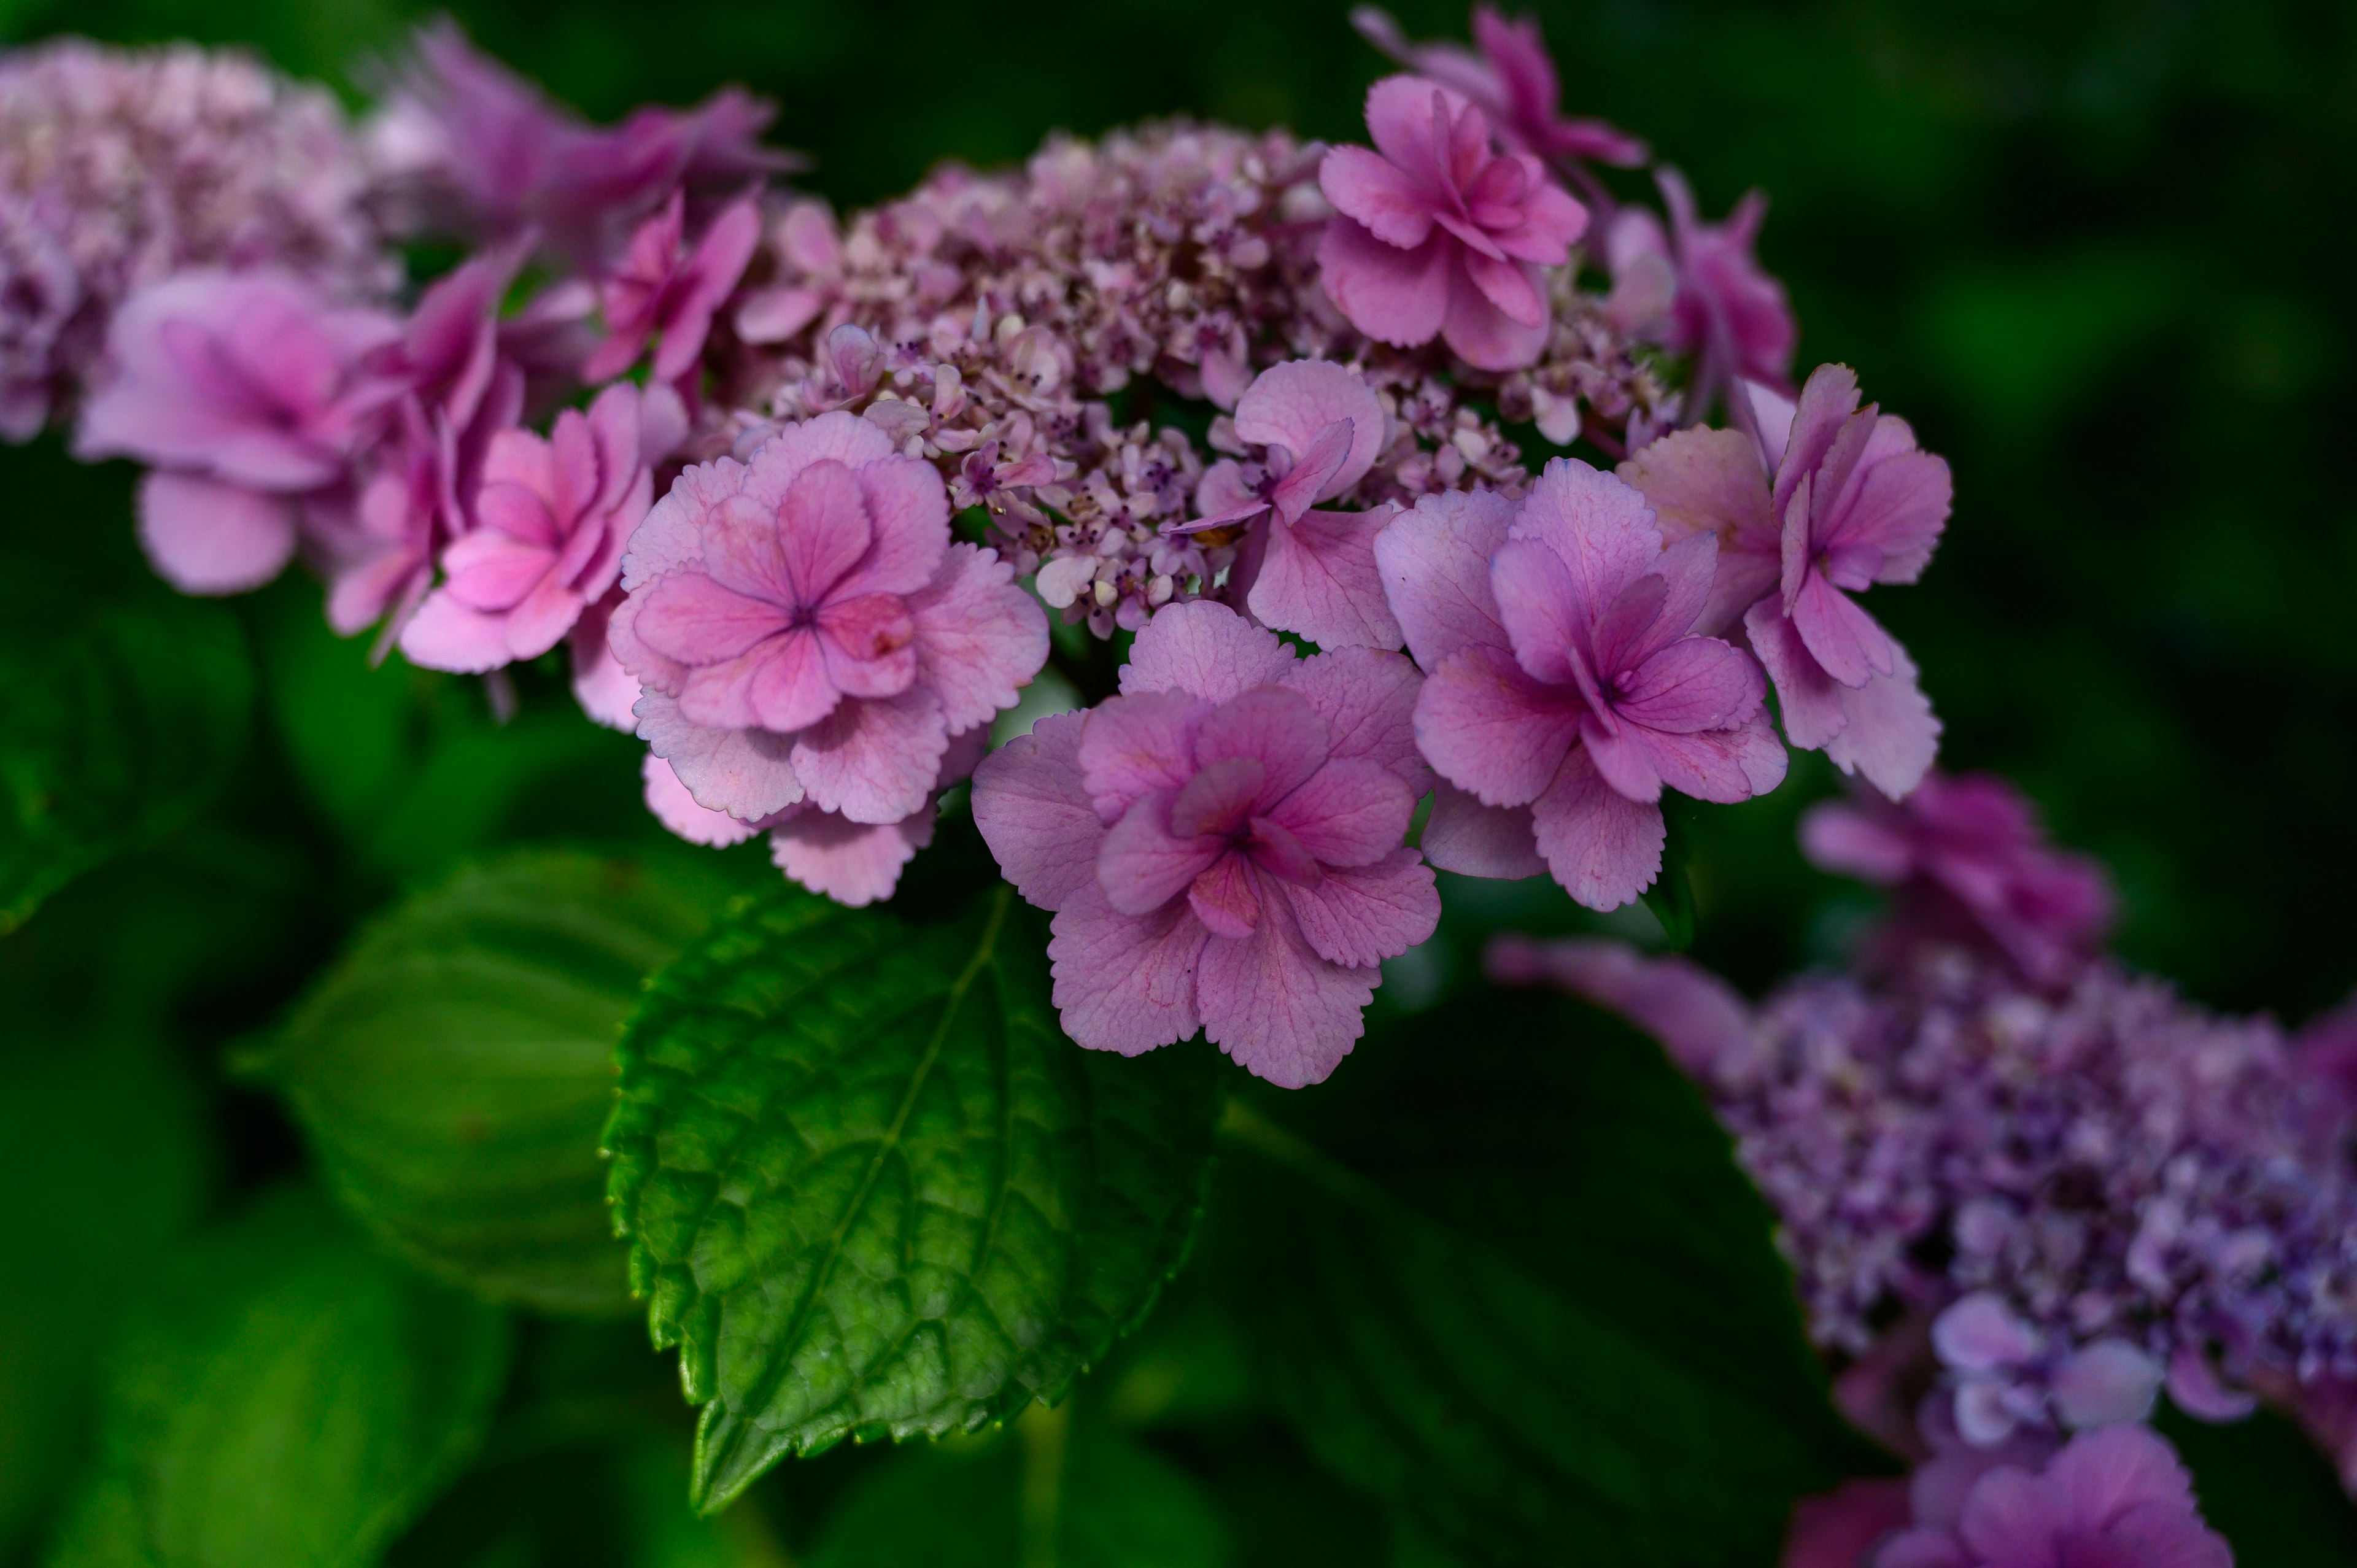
1604	848
1124	982
1035	813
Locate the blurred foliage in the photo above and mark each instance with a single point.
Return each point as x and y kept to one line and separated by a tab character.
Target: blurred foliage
2096	255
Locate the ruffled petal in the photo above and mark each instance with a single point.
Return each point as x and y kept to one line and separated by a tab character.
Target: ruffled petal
1124	982
1604	848
1273	1005
1435	564
1035	814
745	772
1486	726
1470	839
874	759
980	638
1367	698
1360	916
204	537
1318	579
1205	648
855	864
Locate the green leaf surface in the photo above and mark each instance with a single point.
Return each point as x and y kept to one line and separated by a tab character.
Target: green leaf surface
107	1138
288	1396
1051	1492
870	1188
115	736
2268	1489
453	1072
1502	1273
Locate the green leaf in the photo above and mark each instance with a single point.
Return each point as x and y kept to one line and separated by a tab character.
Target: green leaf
2268	1489
1051	1492
870	1188
112	1137
125	732
288	1396
1671	897
455	1070
1502	1273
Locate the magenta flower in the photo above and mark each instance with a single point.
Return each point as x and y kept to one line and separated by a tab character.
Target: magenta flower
1563	674
244	391
1837	1528
1513	81
1436	233
1971	853
1221	844
806	631
2114	1497
662	291
1853	503
463	131
550	522
1312	573
1706	294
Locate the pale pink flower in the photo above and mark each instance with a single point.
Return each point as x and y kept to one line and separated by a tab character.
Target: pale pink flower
805	630
550	522
1563	675
2113	1498
1513	79
662	291
1853	503
1438	235
1312	573
1221	844
1696	289
245	390
854	864
1974	858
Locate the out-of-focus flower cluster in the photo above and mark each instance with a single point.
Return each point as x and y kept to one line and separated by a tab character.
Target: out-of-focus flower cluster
118	169
2009	1173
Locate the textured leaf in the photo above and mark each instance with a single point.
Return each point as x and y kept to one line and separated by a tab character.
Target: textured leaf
872	1191
112	1137
1092	1498
455	1070
1503	1274
287	1397
123	733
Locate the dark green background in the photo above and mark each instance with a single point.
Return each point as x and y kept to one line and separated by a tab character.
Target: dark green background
2098	254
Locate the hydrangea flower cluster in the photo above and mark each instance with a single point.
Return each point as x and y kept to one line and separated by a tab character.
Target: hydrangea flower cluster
792	492
2008	1170
119	169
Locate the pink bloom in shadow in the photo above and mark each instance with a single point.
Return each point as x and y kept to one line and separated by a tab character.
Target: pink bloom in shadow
244	391
2112	1498
1512	80
662	291
476	138
1852	501
1696	289
1565	678
1439	234
550	522
1222	843
1974	859
805	629
1298	570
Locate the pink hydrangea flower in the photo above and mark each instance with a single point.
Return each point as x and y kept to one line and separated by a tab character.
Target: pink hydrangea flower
1438	235
1853	503
2113	1498
243	391
805	630
1512	80
855	864
1221	844
1697	289
1565	681
550	522
1837	1528
1970	845
464	134
663	291
1298	570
